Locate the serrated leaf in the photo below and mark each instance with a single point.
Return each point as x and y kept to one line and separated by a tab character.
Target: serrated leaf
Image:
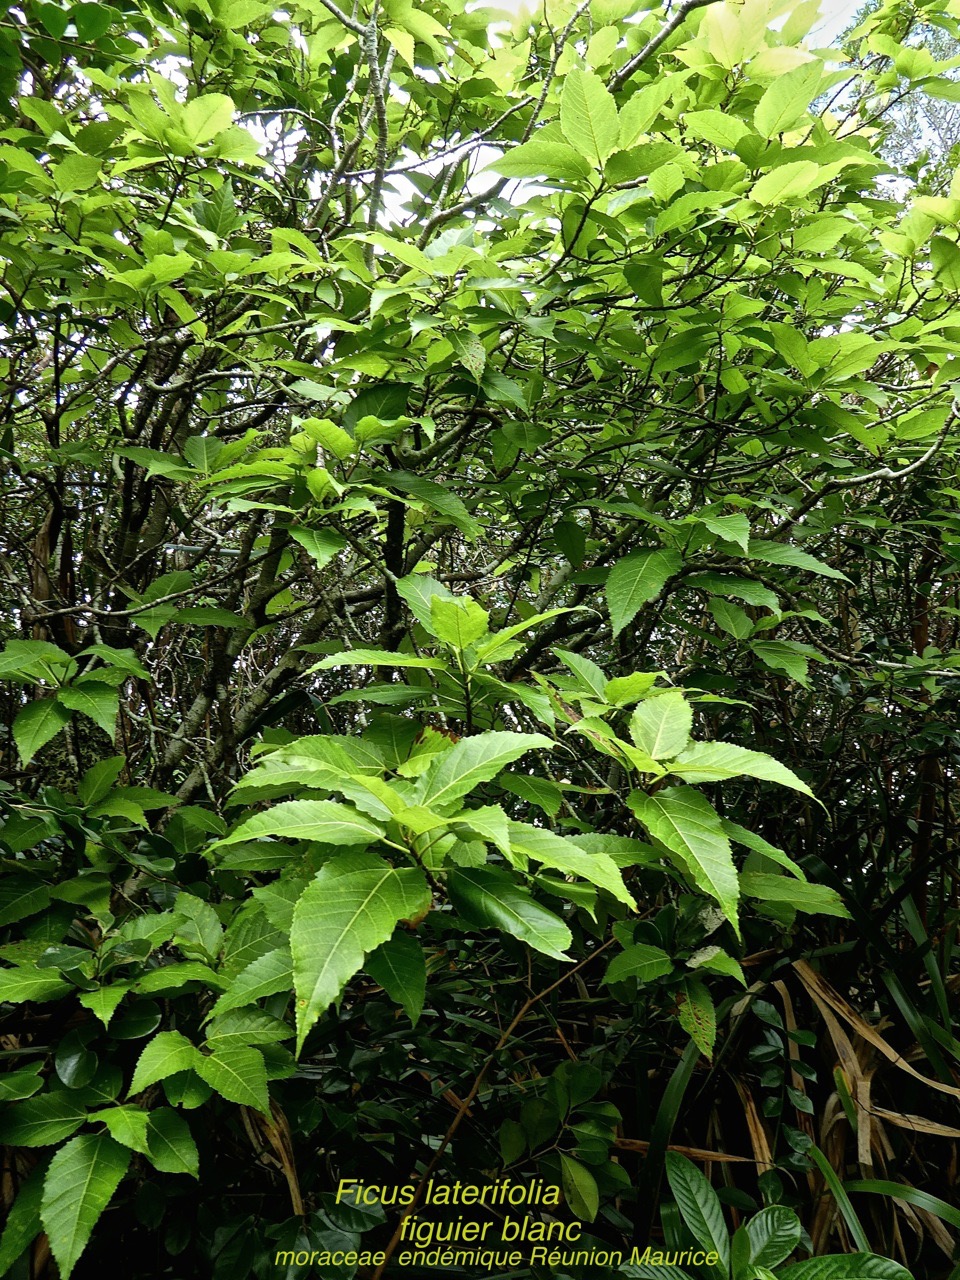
171	1147
165	1055
79	1185
562	854
126	1125
686	823
634	581
262	977
237	1073
322	821
588	117
784	104
23	1223
540	159
36	724
714	761
345	912
473	761
17	985
661	726
815	899
42	1120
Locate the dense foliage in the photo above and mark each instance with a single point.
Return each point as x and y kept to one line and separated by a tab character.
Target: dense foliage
480	549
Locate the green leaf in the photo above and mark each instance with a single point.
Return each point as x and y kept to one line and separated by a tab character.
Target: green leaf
714	761
661	726
686	823
491	899
555	851
580	1189
792	557
784	104
36	724
79	1185
540	159
851	1266
345	912
815	899
237	1073
320	544
639	961
787	182
262	977
205	117
126	1125
634	581
21	896
41	1121
730	528
22	1083
23	1223
458	622
773	1233
698	1203
378	658
731	618
99	702
697	1015
171	1147
322	821
17	985
473	761
437	496
167	1053
399	967
588	118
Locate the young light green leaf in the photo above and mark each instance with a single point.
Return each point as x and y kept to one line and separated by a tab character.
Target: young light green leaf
588	116
785	102
126	1125
458	622
471	762
79	1185
661	726
349	909
205	117
17	985
555	851
541	159
323	821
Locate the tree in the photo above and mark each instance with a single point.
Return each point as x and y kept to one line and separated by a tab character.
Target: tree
480	552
